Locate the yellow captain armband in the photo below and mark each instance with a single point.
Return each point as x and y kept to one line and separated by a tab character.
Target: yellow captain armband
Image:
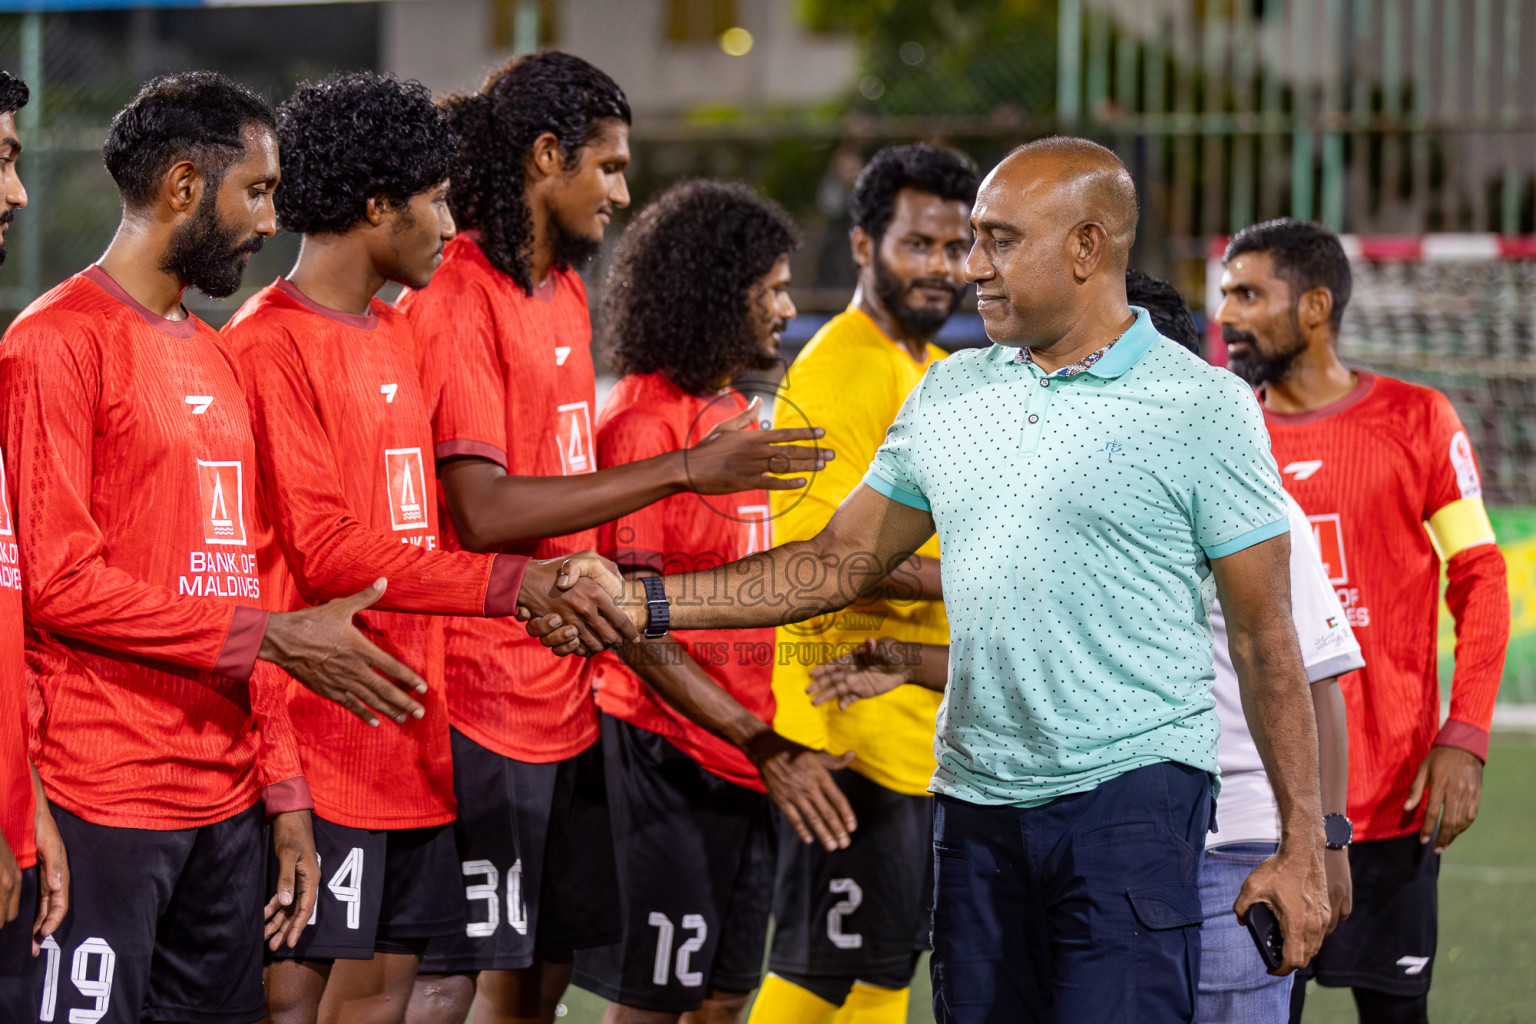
1460	525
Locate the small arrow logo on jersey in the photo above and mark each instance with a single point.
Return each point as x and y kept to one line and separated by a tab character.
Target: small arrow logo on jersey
199	403
562	353
388	391
1302	470
1413	964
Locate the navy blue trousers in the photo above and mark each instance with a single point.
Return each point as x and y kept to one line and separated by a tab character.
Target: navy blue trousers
1081	910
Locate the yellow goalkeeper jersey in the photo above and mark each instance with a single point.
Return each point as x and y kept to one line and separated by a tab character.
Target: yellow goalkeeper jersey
851	380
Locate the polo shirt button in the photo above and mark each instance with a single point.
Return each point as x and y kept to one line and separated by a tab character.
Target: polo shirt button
1045	382
1033	418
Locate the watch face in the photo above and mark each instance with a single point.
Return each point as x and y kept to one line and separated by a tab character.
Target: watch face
1337	831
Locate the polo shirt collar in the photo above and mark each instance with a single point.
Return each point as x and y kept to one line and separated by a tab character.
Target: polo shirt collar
1133	344
1123	355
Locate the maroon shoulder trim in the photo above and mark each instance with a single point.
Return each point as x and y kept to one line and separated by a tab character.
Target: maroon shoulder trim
476	449
505	584
1357	394
174	328
360	321
246	629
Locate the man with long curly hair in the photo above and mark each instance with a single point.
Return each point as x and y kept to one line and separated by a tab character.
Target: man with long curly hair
341	430
506	367
698	294
851	923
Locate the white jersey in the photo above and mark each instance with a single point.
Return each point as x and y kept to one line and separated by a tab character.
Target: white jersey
1246	811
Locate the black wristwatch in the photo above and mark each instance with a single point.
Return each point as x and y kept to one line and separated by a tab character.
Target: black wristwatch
1338	831
656	604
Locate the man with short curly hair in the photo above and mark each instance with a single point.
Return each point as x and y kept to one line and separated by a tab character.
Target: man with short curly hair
505	351
125	426
341	435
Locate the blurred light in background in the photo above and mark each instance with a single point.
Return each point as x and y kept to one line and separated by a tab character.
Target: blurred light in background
736	41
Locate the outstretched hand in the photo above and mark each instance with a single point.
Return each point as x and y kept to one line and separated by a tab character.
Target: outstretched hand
736	457
869	671
321	648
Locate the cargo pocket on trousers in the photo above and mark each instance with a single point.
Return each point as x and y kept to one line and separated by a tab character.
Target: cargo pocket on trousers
1170	956
1168	905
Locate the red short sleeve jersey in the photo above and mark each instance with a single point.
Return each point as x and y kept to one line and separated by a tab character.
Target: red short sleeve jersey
647	415
348	479
18	804
1369	471
142	549
508	377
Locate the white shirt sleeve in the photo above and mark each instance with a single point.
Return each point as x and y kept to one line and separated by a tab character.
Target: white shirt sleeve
1328	645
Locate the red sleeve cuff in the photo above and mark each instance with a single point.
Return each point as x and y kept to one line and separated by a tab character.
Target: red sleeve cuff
474	449
288	795
505	584
246	629
1465	736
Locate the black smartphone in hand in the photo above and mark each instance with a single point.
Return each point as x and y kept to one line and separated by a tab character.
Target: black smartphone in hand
1265	929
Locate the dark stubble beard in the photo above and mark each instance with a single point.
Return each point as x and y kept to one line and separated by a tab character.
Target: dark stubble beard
920	323
1260	368
206	254
5	220
573	250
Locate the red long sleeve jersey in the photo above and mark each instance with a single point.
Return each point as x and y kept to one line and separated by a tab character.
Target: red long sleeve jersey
348	479
508	377
648	415
142	550
18	803
1370	470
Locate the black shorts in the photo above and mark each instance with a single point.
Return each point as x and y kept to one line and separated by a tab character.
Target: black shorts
1388	942
162	926
695	859
864	912
536	860
385	891
18	978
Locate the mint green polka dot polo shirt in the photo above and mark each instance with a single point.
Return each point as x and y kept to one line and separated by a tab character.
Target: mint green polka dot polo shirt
1078	516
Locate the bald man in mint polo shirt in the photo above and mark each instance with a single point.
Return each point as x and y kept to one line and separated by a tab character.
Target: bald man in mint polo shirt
1093	486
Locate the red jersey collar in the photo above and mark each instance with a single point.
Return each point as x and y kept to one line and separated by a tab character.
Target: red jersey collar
360	321
1356	395
173	328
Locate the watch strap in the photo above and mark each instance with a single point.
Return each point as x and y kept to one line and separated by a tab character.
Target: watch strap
657	605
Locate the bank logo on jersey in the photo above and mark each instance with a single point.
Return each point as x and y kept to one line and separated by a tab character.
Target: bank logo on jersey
6	527
758	519
407	478
573	432
1467	480
1330	544
223	501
